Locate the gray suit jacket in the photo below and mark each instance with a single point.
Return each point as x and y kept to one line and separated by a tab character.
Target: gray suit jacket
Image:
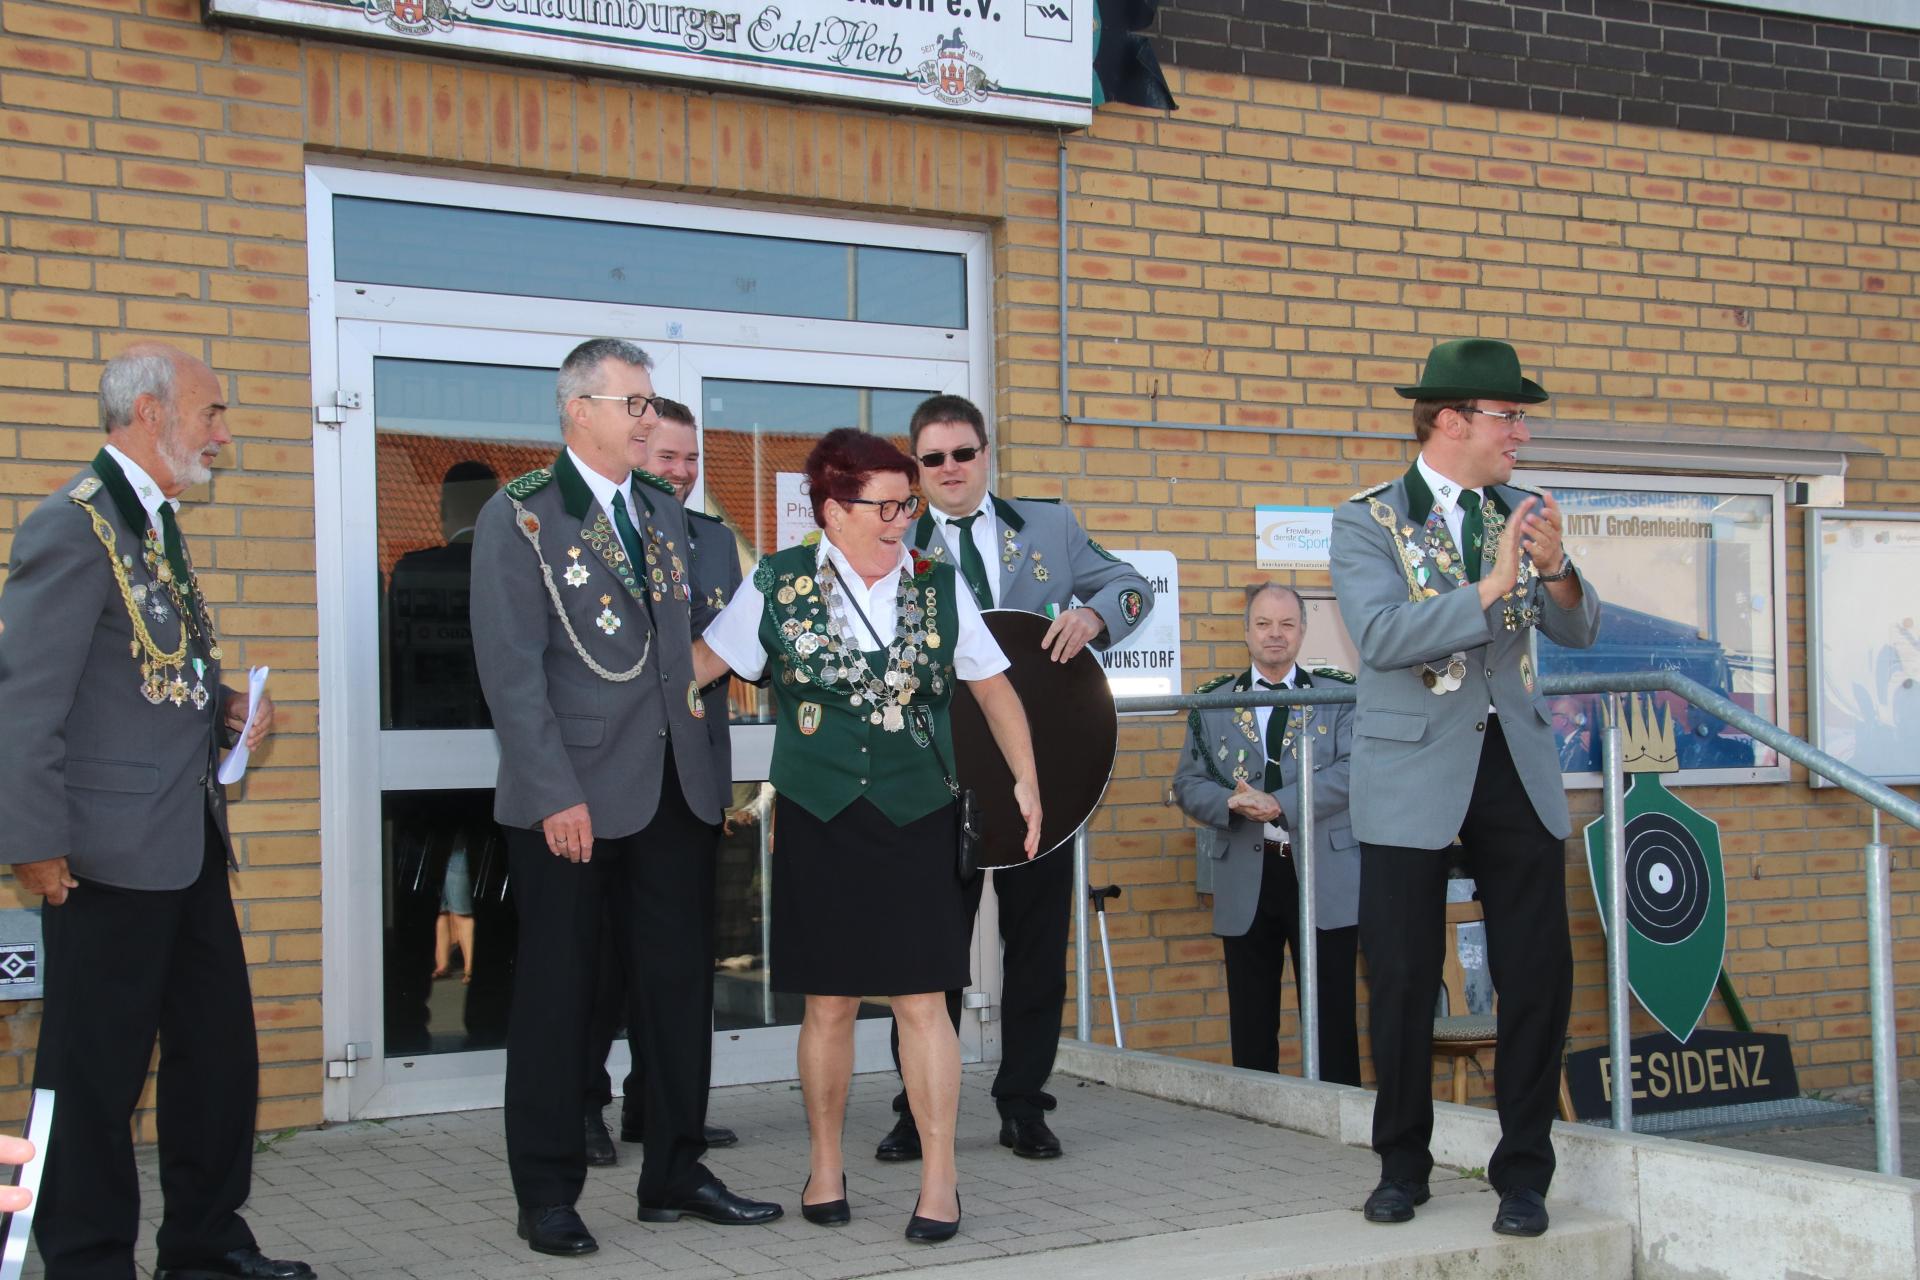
1225	745
89	769
570	735
1415	754
1047	558
716	576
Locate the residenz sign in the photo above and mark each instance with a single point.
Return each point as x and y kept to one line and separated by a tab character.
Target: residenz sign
1028	60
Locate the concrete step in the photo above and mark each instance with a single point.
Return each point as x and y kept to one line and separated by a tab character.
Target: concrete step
1450	1239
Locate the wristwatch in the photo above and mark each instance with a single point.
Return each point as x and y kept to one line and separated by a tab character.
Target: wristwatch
1566	571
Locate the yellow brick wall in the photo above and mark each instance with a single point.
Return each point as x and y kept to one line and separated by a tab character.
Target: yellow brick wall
1271	256
1278	255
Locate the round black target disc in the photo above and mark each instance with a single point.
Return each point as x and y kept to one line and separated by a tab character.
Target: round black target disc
1667	883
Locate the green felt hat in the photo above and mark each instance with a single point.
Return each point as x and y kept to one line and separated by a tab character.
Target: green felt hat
1474	369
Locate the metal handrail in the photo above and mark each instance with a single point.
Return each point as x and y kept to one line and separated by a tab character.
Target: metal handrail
1878	875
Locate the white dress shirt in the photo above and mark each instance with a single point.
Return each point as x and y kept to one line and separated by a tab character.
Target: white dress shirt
145	487
604	489
1277	829
983	534
735	634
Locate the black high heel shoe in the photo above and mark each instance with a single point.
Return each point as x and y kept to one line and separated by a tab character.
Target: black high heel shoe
833	1213
931	1230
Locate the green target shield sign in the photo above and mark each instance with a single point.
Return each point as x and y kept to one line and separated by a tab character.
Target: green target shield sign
1676	901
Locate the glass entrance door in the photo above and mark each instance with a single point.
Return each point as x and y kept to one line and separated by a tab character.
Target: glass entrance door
444	417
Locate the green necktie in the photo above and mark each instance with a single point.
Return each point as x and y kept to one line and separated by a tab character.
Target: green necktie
1276	737
176	553
972	567
1473	533
630	539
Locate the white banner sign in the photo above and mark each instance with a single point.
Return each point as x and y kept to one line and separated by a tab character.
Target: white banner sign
1293	537
1015	59
793	520
1147	663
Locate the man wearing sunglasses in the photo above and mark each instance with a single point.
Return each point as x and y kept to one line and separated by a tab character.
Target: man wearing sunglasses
1031	554
1443	574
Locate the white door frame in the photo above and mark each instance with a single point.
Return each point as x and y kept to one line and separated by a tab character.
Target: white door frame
497	330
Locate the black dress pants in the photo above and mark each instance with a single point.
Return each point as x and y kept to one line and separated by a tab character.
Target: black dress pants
1036	910
1257	958
609	1016
662	878
124	966
1519	868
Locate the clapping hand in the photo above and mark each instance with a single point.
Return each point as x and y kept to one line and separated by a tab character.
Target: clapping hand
1251	804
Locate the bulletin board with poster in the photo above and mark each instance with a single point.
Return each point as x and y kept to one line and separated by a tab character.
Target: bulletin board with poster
1691	575
1863	640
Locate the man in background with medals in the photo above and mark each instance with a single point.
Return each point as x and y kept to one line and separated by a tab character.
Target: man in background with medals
583	611
114	814
1031	554
1442	575
673	454
1240	776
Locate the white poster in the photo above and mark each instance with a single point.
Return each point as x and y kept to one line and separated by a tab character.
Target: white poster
1865	641
1029	60
1147	663
793	519
1293	537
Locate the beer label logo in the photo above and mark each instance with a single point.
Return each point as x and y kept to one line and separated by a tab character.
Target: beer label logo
411	17
953	74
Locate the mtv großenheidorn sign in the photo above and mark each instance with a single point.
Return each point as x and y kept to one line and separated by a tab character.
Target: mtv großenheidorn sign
1028	60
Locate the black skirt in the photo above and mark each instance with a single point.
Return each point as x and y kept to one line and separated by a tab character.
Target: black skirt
862	907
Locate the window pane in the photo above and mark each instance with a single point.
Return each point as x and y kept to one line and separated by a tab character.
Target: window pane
446	437
450	928
1686	582
529	255
905	286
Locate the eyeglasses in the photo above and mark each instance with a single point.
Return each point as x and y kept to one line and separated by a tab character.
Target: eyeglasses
1509	415
890	508
938	458
637	406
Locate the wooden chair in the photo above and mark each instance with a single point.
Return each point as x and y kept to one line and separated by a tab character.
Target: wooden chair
1458	1035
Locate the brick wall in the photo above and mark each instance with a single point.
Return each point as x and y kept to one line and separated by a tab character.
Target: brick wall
1273	256
1683	64
1279	255
152	188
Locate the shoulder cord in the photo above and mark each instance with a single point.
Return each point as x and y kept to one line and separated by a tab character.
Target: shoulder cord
1383	516
560	608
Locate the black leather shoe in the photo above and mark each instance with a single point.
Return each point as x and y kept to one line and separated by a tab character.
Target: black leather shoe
931	1230
557	1230
717	1135
828	1213
713	1202
600	1152
902	1141
1522	1213
247	1264
1393	1200
1030	1139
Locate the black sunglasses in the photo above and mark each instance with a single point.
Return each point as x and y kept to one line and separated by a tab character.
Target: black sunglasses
938	458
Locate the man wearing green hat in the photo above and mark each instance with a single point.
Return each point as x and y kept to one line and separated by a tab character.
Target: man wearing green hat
1441	575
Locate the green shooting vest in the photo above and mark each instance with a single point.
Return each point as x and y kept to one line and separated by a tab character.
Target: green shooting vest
826	752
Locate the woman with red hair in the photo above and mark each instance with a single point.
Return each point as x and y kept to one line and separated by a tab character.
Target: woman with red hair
865	639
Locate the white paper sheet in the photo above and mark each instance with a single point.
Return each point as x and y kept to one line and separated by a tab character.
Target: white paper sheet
234	767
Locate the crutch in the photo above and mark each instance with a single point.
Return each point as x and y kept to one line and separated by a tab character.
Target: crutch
1100	897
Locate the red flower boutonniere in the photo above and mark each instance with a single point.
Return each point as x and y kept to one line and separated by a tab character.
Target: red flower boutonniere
922	566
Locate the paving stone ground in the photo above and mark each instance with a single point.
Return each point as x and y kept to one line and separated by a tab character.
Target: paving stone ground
427	1198
1850	1146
